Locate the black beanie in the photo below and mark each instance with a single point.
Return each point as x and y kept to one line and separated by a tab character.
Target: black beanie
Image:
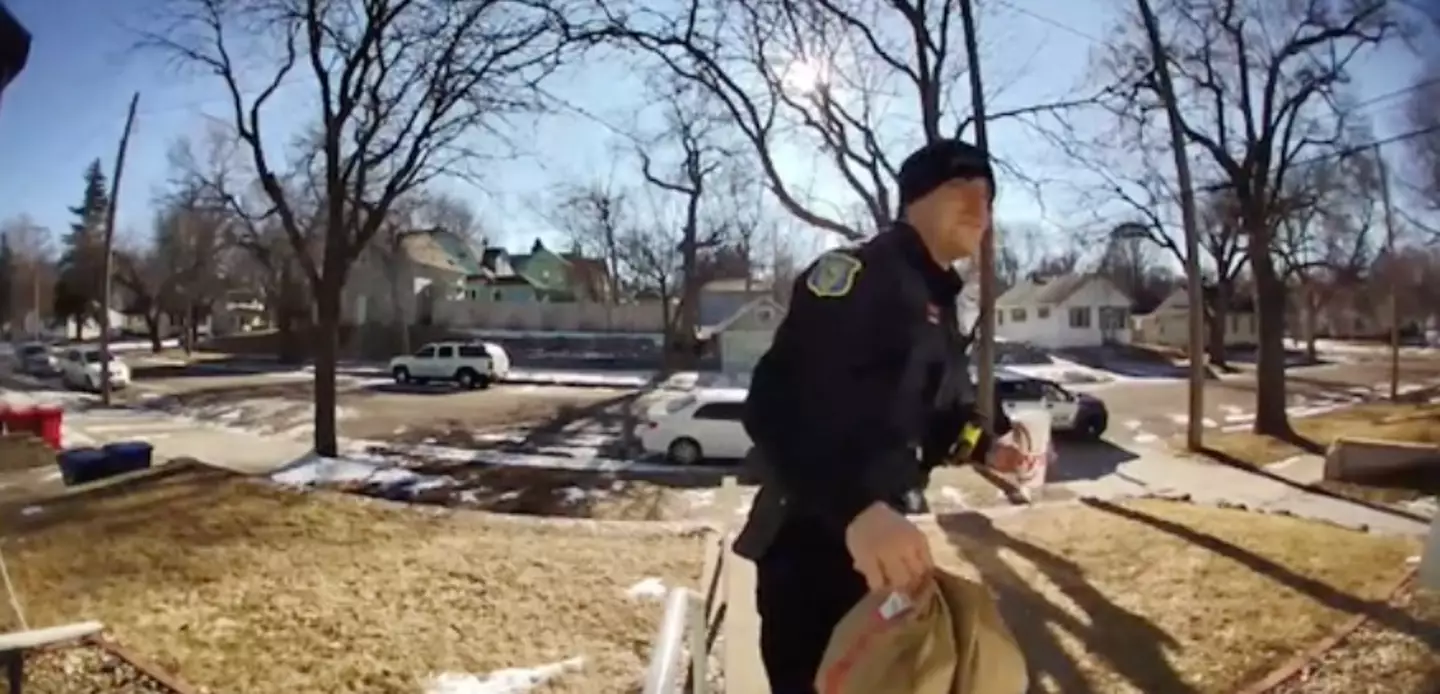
938	162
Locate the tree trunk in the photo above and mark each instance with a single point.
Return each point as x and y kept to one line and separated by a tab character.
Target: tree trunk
152	328
1270	417
326	341
1312	321
1216	331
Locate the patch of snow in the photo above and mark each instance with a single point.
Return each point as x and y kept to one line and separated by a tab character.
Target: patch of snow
1209	423
510	495
615	379
1144	437
32	510
1064	372
1133	424
317	470
700	498
647	589
952	495
574	495
507	681
587	461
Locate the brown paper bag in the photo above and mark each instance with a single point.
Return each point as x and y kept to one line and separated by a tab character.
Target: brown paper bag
948	639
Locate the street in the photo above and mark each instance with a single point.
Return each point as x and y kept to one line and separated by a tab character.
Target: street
1147	412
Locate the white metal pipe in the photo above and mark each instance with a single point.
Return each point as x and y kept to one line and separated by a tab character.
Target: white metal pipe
699	649
661	675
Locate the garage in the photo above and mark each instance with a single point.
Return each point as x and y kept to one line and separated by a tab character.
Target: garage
742	338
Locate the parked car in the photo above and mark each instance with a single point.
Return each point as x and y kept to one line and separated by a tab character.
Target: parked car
80	367
703	424
470	364
35	358
1073	413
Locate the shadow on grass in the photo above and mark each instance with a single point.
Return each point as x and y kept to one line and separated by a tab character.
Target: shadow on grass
1133	645
1381	612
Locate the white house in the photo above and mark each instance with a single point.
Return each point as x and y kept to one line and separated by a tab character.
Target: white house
1074	310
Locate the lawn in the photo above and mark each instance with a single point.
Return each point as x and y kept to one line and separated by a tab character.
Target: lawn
1407	422
1155	596
1411	422
238	586
1380	659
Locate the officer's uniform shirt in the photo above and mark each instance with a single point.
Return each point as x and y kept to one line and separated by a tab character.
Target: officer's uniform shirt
867	367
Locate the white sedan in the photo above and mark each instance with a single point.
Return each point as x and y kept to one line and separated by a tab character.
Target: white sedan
80	368
690	428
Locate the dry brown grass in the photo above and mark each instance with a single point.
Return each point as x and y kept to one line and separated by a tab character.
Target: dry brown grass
1411	422
1154	596
85	669
240	587
1380	659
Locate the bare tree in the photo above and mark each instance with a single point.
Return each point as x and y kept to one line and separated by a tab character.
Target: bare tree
400	86
1424	119
1259	85
1018	250
650	259
691	130
452	213
1133	264
596	217
1325	244
852	79
32	273
266	261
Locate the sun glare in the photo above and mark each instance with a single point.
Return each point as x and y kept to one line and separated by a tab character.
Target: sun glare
805	76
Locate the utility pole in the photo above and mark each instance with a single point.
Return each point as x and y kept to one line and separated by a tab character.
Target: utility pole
1392	307
985	350
1194	433
109	246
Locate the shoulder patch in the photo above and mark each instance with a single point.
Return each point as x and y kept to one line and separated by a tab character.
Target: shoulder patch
833	275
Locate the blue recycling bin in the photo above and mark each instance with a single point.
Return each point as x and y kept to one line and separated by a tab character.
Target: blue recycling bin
82	465
127	456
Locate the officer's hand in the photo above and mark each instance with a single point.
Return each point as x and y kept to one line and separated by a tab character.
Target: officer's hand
888	549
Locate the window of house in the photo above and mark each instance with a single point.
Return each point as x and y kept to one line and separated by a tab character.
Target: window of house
999	318
1080	317
1042	313
1017	315
496	295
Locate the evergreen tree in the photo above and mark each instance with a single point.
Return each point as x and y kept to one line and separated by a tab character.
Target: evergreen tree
82	259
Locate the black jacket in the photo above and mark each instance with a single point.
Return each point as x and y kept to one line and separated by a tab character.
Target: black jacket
868	366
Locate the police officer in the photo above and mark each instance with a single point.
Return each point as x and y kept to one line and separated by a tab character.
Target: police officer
867	370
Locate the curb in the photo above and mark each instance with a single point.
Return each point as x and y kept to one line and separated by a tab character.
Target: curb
1297	663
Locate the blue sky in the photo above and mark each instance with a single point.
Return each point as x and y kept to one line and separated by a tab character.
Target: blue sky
68	108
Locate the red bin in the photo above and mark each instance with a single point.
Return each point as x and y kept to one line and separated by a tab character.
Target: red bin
22	419
49	422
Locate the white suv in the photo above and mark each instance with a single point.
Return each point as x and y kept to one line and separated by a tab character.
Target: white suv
470	364
80	368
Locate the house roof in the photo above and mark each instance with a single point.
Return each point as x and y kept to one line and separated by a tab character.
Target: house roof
423	248
1241	301
587	272
1048	292
709	331
461	251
